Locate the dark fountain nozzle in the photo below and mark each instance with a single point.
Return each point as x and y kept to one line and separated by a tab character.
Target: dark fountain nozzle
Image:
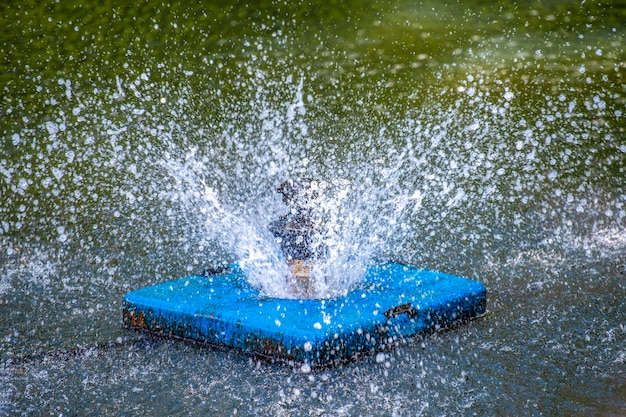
297	231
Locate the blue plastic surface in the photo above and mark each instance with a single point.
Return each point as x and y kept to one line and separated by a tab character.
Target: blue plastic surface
394	302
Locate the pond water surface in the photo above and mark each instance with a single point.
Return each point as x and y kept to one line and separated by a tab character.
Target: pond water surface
143	142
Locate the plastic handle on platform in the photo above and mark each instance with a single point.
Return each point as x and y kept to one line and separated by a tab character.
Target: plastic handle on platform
401	309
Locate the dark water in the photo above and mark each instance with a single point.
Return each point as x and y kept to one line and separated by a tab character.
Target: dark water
485	140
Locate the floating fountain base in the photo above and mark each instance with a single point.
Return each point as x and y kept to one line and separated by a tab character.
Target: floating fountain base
394	302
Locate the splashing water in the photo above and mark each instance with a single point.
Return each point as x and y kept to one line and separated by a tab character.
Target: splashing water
209	188
237	218
375	192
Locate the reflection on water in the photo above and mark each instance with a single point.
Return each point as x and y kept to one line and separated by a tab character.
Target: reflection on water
145	142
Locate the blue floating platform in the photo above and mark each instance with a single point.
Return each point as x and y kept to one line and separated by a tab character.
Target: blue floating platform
394	302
